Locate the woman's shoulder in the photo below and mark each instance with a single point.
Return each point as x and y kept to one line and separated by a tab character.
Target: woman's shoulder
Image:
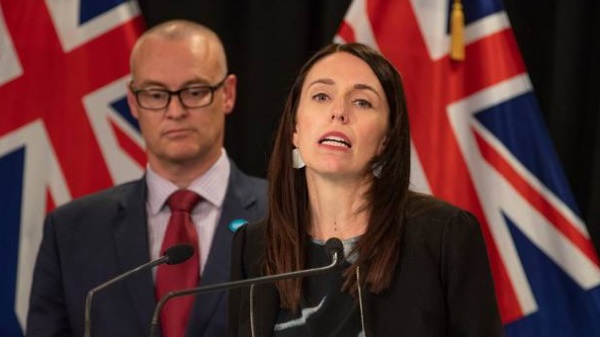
249	246
419	204
428	211
253	230
252	233
444	230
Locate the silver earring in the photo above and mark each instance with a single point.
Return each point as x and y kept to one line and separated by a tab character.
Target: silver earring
376	170
297	161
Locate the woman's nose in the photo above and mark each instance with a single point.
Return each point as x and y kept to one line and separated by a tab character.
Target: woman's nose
339	112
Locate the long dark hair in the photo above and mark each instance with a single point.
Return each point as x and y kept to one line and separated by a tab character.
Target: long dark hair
289	215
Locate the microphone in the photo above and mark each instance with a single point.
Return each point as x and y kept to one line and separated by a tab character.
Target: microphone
173	255
335	249
333	246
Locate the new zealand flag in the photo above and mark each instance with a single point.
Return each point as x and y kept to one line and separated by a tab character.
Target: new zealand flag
479	142
65	129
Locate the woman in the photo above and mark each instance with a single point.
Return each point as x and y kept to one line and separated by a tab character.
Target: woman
340	167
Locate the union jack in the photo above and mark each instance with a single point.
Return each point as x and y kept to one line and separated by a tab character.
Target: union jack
66	130
478	141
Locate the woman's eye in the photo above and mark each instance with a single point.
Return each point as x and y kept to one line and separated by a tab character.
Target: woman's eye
363	103
321	97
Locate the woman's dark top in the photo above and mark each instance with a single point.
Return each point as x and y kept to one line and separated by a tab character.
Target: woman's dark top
325	311
441	286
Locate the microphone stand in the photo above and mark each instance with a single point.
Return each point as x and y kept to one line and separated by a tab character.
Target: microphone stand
155	327
90	295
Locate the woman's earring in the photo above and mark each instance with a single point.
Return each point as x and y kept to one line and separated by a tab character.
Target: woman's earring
297	161
376	169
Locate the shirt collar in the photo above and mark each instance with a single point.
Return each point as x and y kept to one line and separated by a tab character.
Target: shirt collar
211	186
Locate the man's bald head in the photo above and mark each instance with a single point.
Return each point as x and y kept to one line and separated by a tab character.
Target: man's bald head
186	62
197	35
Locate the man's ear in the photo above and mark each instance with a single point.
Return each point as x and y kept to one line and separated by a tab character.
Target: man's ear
230	90
132	103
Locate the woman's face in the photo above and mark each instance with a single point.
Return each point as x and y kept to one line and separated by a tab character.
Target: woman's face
342	117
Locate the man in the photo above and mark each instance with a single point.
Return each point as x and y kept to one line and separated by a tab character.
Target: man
180	93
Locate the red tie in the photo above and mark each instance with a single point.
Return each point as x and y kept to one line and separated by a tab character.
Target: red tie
175	314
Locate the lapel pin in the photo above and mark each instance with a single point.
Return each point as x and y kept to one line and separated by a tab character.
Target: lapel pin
237	223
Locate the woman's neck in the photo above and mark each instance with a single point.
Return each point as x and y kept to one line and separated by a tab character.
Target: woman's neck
338	208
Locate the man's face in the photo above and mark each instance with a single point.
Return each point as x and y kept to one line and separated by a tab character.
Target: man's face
177	135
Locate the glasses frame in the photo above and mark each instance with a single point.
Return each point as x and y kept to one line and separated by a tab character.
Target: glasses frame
212	88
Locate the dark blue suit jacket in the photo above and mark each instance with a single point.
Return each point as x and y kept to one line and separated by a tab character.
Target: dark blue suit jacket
97	237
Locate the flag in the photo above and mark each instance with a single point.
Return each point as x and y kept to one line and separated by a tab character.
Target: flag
479	142
65	129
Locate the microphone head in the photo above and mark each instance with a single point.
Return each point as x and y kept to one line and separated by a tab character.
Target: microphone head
179	253
334	247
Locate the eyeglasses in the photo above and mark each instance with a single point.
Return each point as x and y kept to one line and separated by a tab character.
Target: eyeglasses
191	97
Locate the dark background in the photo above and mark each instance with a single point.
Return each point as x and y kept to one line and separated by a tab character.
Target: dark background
268	40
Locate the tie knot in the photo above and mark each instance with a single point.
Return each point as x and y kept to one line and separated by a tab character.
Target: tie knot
183	200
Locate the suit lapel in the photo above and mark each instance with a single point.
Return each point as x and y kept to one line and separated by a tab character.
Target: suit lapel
217	269
131	241
238	204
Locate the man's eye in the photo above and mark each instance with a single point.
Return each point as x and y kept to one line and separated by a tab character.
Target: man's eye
197	92
154	94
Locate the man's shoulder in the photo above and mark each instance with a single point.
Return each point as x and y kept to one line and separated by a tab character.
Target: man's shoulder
102	200
249	189
240	177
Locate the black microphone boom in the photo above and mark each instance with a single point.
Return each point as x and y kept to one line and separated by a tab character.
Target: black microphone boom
333	246
173	255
